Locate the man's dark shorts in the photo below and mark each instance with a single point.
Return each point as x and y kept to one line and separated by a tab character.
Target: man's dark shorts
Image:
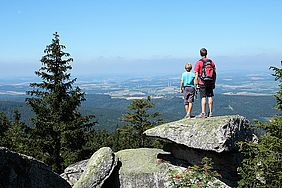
189	93
206	90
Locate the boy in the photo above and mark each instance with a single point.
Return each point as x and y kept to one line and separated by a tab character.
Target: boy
187	87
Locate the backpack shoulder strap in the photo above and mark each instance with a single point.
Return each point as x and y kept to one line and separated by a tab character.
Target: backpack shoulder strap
205	62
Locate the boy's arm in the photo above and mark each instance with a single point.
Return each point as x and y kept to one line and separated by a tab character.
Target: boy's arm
181	86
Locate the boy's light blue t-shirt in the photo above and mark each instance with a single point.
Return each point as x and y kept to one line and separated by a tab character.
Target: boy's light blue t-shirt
188	78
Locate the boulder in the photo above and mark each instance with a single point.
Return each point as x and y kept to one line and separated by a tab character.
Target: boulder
146	168
20	171
140	168
217	134
98	169
73	172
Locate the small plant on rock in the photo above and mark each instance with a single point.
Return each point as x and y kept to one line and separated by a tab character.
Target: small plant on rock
195	176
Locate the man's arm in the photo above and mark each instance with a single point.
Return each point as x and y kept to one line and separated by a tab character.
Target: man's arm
196	80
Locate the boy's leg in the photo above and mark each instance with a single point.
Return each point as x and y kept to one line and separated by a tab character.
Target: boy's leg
187	108
190	107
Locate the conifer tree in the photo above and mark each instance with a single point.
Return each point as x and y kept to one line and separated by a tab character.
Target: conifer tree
59	129
139	119
17	136
4	126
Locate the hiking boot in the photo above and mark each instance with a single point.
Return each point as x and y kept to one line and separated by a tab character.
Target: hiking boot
210	114
201	115
188	116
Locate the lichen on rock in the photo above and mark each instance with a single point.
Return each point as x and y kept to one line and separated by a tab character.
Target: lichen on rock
98	169
214	134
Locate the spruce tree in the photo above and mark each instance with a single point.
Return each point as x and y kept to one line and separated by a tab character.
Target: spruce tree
138	120
17	136
58	127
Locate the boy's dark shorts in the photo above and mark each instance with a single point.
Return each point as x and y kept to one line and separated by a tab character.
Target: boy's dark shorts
206	90
189	93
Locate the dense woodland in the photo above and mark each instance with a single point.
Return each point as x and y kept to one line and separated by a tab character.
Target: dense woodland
108	111
55	125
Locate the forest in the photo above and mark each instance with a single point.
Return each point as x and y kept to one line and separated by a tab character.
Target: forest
109	110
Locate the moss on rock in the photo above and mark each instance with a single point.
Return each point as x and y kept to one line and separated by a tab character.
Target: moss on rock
215	134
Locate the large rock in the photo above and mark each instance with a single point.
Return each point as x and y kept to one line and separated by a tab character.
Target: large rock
21	171
139	168
98	169
145	168
214	134
73	172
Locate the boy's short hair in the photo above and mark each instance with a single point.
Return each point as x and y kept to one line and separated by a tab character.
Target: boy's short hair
203	52
188	67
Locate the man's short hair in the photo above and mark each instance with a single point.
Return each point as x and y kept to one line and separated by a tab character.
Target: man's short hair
188	67
203	52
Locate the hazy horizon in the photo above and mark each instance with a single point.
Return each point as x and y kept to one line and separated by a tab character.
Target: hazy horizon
136	37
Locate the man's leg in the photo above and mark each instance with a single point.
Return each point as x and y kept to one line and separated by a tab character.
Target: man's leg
210	104
203	105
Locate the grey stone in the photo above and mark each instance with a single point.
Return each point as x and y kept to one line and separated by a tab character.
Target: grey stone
140	168
145	168
214	134
98	169
21	171
73	172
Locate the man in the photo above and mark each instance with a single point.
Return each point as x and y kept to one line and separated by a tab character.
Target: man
187	87
205	77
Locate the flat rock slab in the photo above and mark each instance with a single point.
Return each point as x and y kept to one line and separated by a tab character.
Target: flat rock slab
213	134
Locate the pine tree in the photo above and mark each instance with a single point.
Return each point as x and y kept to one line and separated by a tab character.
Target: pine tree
139	119
59	129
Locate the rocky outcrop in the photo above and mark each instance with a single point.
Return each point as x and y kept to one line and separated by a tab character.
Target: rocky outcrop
212	134
215	138
73	172
142	167
189	141
98	169
21	171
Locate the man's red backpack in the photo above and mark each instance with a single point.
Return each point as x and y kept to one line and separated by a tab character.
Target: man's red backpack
208	72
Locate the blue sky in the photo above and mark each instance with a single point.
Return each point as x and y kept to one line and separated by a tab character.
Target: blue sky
112	36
